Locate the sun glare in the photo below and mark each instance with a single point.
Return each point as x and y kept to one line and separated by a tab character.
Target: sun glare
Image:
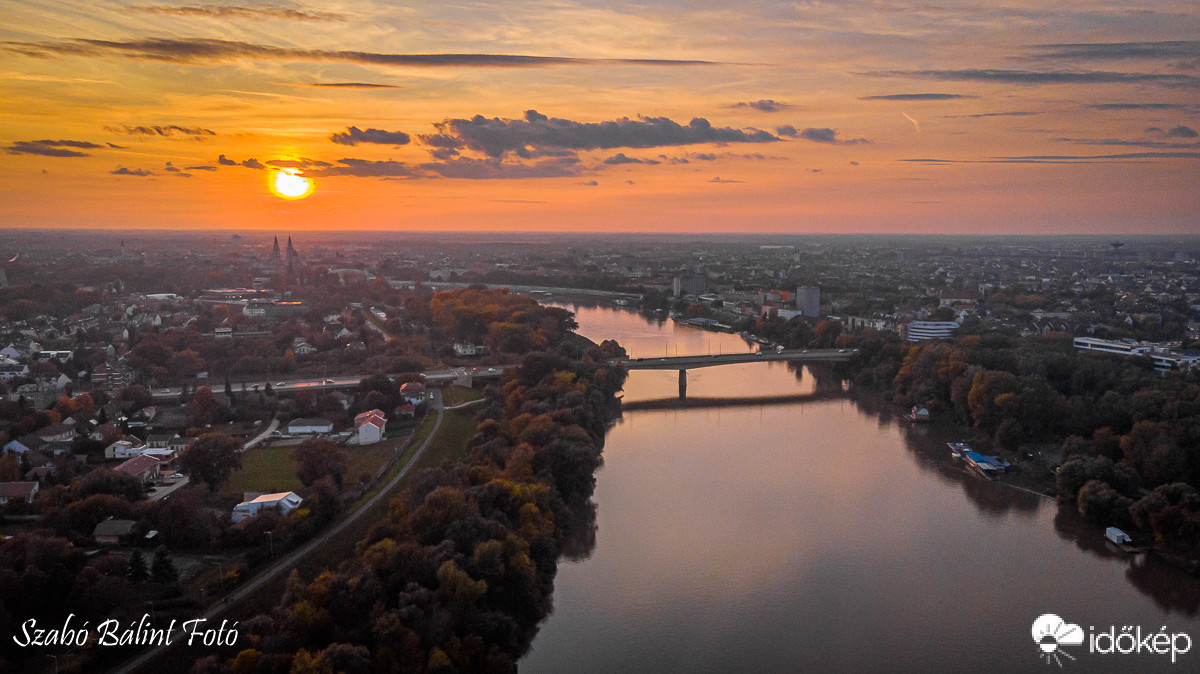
291	186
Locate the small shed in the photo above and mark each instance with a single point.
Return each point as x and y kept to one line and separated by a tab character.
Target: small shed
113	532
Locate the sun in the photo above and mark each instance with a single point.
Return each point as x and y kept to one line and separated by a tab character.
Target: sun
290	185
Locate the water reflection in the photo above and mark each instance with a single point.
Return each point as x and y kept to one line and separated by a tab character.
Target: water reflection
779	537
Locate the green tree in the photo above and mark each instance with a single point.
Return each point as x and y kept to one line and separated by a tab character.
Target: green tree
137	567
162	569
212	458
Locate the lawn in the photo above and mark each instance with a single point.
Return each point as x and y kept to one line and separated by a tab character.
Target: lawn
272	469
457	395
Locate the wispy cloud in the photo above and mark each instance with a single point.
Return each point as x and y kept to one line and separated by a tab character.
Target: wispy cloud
1117	51
354	135
1059	158
764	105
196	51
916	97
339	85
1014	113
1143	106
161	130
1044	77
914	122
123	171
723	181
53	148
266	11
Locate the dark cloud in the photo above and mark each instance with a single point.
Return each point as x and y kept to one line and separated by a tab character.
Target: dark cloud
786	130
225	162
828	136
589	183
620	158
172	169
1045	77
1142	106
201	168
1015	113
122	171
52	148
719	179
854	163
161	130
364	168
628	182
252	163
1117	142
203	50
237	12
340	85
1117	51
538	135
470	168
354	135
1181	131
764	105
916	97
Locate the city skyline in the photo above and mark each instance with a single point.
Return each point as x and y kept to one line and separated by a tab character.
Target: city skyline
881	117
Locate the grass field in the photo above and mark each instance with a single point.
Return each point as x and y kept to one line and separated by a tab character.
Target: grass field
457	395
272	469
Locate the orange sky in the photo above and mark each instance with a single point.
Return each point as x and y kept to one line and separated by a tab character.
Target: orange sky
859	116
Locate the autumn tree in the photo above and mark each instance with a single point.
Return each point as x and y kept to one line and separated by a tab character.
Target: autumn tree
317	458
212	458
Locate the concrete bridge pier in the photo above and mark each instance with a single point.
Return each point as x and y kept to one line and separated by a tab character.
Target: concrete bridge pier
682	384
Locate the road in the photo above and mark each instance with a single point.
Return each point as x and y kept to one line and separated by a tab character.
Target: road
285	565
344	382
264	435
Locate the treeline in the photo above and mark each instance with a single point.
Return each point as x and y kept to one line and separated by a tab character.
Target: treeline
460	573
1130	437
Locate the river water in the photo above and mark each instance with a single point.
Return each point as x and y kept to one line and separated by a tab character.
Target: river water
821	533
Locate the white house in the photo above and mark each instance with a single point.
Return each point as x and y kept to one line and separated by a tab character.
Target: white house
308	425
461	349
369	427
123	449
413	392
286	502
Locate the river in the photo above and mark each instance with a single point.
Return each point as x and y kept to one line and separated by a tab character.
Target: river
824	534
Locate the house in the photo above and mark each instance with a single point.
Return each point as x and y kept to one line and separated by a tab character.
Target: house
461	349
406	410
113	532
307	425
303	348
160	440
13	491
144	468
59	431
123	449
17	446
285	501
413	392
179	444
369	427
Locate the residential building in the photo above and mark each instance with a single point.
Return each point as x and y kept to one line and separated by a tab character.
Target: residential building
286	502
13	491
144	468
369	427
688	284
920	331
308	425
113	532
413	392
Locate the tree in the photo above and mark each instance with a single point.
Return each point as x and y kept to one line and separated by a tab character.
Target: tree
316	458
212	458
137	567
162	569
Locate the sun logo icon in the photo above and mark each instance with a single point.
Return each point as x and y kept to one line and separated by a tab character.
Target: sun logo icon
1051	633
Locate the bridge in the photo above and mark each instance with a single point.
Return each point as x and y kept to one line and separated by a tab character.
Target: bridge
685	363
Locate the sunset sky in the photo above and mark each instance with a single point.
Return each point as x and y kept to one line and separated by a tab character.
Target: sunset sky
857	116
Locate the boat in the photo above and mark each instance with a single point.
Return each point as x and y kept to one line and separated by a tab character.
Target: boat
987	466
1121	540
917	414
957	449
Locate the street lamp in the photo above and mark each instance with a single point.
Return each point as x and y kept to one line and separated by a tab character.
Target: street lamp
271	541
